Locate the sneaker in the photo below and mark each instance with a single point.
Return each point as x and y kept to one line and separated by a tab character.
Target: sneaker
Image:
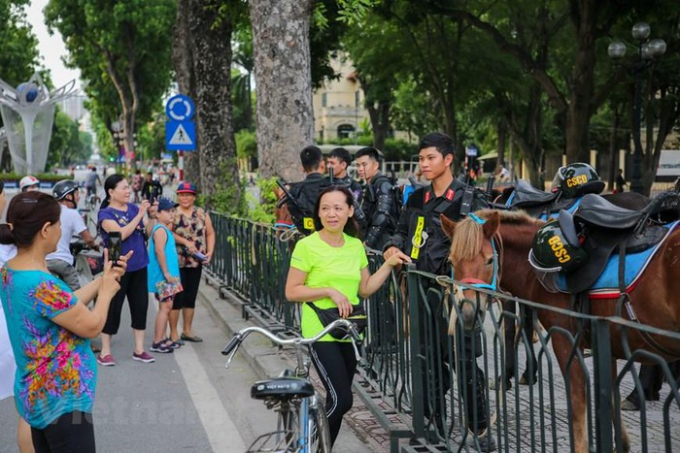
143	357
106	360
160	347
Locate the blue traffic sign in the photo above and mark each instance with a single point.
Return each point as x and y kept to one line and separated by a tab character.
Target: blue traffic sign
180	108
180	136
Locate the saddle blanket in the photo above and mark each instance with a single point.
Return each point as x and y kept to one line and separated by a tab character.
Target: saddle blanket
607	285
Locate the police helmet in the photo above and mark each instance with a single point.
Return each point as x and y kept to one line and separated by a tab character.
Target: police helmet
63	188
551	251
577	179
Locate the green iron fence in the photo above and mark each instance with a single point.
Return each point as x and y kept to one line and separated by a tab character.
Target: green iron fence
411	360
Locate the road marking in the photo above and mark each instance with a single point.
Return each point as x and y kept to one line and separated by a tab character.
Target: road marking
218	425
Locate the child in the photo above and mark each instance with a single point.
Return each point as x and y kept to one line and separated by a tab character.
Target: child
163	278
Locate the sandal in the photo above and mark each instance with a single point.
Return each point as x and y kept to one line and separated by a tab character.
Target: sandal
168	343
193	339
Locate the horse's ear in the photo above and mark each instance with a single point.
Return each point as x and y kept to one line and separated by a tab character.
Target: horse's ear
448	225
491	225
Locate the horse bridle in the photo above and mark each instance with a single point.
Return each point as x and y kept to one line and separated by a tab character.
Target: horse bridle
497	255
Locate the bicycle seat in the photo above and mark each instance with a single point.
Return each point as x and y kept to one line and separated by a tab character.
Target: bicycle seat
282	387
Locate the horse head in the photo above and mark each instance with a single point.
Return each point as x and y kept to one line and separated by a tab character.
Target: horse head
475	247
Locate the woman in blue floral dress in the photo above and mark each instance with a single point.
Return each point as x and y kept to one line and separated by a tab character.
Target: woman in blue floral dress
49	328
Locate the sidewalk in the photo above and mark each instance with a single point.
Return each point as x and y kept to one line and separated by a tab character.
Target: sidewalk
360	431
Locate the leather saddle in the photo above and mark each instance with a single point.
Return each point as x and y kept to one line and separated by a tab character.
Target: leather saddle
540	204
601	228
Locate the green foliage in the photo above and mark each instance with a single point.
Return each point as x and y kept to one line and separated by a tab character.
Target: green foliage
41	177
151	138
264	208
399	149
18	45
228	198
123	43
68	145
363	140
246	144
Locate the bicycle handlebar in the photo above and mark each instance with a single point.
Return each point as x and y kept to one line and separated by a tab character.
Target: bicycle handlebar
238	337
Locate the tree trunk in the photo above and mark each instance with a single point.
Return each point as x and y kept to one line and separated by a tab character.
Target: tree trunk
380	122
183	63
285	118
502	129
211	40
613	147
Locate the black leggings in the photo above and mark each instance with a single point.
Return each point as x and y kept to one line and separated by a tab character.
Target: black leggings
134	286
71	433
191	280
336	363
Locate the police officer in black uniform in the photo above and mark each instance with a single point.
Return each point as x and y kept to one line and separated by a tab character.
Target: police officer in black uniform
419	235
339	160
379	201
305	193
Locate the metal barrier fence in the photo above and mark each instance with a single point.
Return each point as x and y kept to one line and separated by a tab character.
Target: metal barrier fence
411	360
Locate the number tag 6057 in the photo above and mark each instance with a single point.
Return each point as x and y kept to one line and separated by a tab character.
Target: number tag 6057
558	249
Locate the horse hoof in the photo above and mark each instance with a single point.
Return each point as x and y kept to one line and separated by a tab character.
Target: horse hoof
628	405
525	381
495	384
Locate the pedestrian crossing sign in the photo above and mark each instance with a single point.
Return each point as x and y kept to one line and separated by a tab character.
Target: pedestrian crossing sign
180	136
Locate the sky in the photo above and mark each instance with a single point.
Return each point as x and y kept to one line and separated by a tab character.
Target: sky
51	47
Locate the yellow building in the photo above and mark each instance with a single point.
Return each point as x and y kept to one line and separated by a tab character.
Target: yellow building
339	104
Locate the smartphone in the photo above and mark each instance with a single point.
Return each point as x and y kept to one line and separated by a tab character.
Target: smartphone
199	256
114	246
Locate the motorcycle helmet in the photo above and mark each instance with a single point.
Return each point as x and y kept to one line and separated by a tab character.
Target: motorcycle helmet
28	181
551	250
63	188
577	179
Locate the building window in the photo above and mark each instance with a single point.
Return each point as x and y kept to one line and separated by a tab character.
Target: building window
345	131
324	99
357	98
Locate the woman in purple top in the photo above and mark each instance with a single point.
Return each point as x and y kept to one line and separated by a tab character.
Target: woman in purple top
119	215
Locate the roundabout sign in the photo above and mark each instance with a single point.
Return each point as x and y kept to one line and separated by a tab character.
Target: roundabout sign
180	108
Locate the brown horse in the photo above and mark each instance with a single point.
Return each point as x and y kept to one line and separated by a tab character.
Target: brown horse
654	298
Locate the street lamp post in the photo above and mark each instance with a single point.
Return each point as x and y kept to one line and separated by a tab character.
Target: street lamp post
646	51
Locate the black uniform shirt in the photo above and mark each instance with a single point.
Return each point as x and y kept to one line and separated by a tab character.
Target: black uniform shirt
419	233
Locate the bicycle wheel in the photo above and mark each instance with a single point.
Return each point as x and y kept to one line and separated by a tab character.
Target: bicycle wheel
319	438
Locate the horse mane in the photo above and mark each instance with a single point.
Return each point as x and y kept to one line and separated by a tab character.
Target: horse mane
469	235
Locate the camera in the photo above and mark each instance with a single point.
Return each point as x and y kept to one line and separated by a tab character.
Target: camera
114	246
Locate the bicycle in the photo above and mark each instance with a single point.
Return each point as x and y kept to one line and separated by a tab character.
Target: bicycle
88	262
92	201
302	426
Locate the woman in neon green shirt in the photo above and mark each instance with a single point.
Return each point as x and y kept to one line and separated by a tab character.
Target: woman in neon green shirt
330	268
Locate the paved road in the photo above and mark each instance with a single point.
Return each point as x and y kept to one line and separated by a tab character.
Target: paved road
184	402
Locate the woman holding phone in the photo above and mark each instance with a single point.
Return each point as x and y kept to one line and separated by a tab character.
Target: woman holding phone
49	328
120	220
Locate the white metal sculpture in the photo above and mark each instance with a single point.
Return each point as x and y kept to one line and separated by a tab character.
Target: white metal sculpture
28	115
